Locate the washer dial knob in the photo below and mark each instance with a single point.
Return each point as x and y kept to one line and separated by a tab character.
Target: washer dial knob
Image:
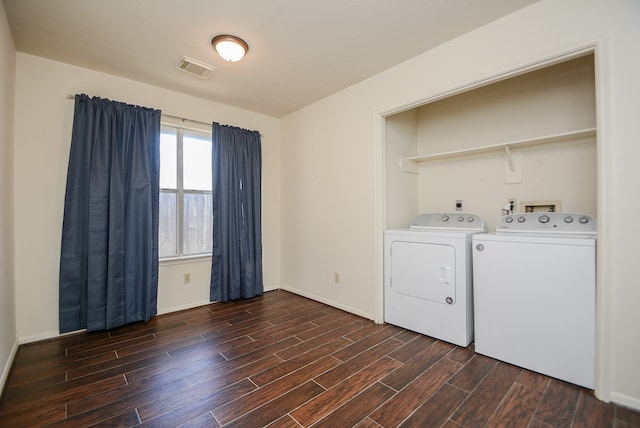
521	219
444	218
583	220
543	219
568	219
509	219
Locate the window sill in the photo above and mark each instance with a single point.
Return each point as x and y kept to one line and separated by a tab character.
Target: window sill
168	261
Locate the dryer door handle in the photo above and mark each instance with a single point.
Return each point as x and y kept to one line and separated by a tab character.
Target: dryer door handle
445	274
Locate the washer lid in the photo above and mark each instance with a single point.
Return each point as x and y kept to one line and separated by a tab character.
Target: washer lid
449	221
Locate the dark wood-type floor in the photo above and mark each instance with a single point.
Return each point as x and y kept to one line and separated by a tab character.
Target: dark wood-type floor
284	361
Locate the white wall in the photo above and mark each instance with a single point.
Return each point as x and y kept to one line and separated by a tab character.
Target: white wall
552	100
328	202
44	119
401	140
8	344
332	196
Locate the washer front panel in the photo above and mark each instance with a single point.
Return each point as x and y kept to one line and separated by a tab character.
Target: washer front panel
534	303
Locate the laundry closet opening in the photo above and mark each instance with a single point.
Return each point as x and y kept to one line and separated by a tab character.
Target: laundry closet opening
529	139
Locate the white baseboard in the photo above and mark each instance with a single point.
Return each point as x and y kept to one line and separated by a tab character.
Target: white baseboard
626	401
8	364
42	336
328	302
200	303
183	307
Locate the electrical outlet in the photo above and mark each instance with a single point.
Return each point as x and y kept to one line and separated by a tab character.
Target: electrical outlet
187	278
336	277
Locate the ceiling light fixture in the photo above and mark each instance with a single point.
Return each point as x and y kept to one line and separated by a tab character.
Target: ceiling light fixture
231	48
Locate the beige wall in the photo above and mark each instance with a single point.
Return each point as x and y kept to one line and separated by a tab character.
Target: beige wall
8	344
43	134
333	198
401	140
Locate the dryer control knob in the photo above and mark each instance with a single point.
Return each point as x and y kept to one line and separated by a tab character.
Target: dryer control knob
470	219
444	218
568	219
509	219
583	220
543	219
461	218
521	219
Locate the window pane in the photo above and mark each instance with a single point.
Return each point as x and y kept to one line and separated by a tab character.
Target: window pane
168	158
198	223
196	158
167	239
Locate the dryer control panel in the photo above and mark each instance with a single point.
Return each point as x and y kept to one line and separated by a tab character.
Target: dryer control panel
458	221
552	222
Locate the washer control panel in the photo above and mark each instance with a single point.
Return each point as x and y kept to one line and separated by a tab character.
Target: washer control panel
548	223
431	221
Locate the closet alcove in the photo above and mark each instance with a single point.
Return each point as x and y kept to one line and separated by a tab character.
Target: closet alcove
529	138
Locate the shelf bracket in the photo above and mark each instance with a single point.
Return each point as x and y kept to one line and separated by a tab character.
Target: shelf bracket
408	165
507	152
512	166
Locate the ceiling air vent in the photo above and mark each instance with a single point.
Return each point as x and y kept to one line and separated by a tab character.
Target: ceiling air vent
196	68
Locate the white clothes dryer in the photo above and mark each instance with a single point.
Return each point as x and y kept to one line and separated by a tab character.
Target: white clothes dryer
428	278
534	294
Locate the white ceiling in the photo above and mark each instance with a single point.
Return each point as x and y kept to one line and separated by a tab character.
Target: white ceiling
300	51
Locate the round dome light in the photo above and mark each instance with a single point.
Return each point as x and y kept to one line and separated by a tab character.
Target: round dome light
230	48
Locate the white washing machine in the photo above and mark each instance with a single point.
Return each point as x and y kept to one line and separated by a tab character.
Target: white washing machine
428	286
535	294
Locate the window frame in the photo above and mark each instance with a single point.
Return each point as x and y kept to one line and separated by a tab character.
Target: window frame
180	192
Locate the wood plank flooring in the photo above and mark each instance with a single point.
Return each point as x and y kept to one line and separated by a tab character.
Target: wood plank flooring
281	360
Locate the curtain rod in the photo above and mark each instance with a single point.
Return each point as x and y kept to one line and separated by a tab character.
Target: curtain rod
187	120
71	97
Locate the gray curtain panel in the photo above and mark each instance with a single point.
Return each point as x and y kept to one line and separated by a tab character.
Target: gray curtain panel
236	263
109	254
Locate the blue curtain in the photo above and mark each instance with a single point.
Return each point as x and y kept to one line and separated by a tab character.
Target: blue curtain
109	254
236	268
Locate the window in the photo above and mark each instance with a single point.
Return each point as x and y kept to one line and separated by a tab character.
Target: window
186	211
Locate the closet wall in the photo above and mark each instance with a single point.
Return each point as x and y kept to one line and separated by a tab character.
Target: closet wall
559	99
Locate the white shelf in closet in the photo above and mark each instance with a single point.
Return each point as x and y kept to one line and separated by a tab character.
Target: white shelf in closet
411	164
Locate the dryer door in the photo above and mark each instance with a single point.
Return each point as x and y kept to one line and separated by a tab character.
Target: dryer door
423	270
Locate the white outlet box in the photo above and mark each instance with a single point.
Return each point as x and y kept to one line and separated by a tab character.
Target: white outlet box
187	278
336	277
